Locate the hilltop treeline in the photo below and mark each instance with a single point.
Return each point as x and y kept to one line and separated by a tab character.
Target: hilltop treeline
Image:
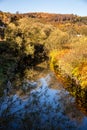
9	17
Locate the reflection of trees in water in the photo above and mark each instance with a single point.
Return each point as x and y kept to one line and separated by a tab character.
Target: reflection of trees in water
45	108
26	67
30	74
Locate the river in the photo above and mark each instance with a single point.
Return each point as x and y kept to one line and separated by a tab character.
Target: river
48	106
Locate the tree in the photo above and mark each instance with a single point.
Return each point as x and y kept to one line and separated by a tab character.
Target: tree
23	35
56	39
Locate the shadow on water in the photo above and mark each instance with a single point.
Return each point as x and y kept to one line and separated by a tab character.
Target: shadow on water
15	67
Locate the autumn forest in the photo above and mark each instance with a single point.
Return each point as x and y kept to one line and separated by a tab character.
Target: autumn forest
55	42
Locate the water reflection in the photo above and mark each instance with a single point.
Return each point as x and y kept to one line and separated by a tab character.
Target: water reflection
43	108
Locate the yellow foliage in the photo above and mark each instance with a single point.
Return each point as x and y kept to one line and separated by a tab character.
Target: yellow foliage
55	57
80	73
52	56
72	61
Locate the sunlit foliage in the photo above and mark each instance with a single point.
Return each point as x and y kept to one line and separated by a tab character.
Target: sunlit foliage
73	61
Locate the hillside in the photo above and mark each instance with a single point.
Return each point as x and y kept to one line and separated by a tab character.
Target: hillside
63	21
27	40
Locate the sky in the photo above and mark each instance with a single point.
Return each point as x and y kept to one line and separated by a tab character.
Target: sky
78	7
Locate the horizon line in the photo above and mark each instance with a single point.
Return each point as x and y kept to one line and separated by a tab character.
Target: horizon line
41	12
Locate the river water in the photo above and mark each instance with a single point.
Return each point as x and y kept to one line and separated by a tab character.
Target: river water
48	106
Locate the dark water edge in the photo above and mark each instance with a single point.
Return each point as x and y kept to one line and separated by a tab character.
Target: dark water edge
72	85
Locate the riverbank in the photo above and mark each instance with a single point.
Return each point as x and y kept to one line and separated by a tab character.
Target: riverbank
70	76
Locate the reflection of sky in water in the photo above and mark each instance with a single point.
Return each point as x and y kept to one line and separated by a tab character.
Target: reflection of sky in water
45	108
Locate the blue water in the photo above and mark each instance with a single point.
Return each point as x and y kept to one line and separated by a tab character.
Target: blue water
42	108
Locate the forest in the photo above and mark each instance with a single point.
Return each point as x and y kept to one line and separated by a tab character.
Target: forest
56	41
